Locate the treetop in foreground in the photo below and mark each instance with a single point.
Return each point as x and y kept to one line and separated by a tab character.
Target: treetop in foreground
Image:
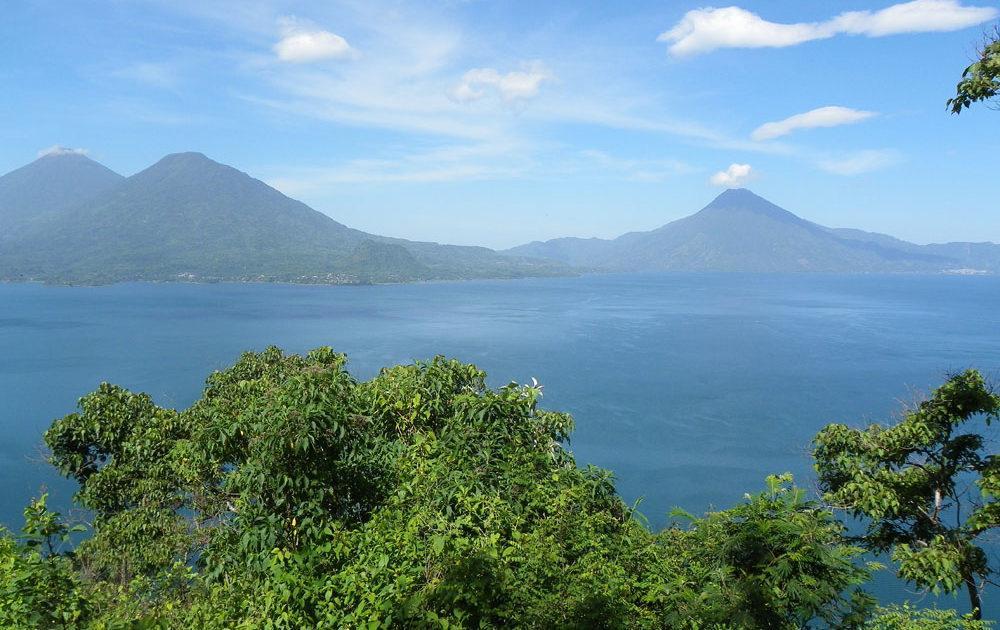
926	486
981	79
292	495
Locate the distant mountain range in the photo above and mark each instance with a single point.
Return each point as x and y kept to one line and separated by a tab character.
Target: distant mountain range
740	231
67	219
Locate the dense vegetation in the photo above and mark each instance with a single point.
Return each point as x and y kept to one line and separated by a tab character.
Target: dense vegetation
292	495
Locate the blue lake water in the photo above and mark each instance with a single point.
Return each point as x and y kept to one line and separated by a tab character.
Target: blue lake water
690	387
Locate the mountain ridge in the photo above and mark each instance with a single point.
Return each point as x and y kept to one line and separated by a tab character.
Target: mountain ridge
188	217
65	218
741	231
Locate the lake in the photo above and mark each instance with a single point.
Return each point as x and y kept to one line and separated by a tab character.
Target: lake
690	387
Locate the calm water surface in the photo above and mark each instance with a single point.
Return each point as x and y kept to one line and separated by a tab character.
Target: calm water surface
691	387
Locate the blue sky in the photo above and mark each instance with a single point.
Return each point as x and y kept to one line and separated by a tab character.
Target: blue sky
497	123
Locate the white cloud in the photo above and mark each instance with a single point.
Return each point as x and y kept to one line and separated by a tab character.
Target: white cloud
703	30
303	43
513	86
861	162
831	116
917	16
61	150
408	79
733	177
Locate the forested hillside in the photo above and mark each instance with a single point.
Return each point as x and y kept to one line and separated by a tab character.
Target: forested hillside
190	218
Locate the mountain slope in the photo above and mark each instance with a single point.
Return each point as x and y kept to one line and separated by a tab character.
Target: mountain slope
188	217
982	256
740	231
587	253
51	184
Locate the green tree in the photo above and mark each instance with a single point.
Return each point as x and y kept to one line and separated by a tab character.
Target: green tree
981	80
292	495
906	617
784	562
926	488
39	587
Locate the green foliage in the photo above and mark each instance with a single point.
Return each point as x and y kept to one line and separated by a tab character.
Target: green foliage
981	80
926	489
785	561
39	590
43	527
290	495
118	447
906	617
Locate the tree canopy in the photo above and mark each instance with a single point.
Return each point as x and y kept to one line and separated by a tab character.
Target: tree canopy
926	488
292	495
